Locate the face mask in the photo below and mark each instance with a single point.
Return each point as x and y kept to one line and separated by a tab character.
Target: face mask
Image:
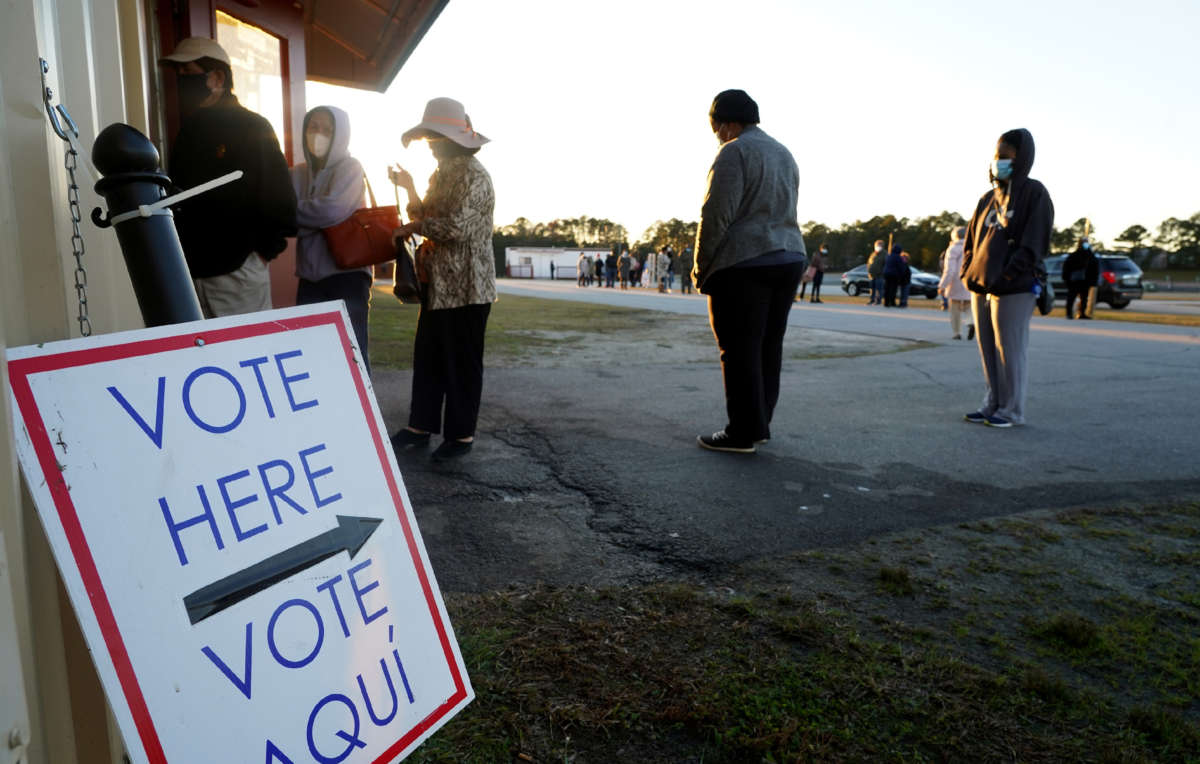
824	252
318	144
193	91
1086	245
879	249
442	149
1002	169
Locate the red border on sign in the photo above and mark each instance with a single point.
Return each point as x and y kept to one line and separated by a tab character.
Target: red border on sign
19	372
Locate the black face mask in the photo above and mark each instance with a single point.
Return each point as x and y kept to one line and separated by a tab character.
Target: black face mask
443	149
193	91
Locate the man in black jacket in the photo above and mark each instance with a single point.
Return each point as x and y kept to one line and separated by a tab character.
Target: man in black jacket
231	232
1080	272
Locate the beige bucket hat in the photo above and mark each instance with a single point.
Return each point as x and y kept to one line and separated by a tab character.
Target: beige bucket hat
447	118
193	48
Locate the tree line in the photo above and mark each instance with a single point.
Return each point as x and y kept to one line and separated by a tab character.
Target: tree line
1176	244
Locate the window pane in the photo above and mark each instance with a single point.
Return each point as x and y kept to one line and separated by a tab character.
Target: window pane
257	65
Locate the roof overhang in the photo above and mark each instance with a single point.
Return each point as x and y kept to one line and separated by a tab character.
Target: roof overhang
363	43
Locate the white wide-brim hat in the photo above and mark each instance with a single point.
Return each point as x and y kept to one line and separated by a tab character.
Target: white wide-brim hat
447	118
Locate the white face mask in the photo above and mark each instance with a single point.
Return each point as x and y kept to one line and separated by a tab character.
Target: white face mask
318	144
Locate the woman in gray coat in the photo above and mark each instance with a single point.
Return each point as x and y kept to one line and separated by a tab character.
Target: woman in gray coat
749	260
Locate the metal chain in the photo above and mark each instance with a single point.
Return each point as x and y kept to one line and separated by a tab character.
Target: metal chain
85	324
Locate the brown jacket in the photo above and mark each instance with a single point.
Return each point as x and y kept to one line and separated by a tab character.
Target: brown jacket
456	215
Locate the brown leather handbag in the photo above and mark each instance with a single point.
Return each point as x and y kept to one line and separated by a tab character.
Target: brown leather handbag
364	238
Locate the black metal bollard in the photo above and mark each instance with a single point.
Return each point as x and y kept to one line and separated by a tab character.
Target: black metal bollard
153	254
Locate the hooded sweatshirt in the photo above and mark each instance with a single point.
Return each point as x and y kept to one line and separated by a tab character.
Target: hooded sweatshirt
894	265
1009	233
326	197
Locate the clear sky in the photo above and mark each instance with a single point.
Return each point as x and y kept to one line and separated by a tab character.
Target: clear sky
600	108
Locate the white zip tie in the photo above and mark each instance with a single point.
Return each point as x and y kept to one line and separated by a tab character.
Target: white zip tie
158	208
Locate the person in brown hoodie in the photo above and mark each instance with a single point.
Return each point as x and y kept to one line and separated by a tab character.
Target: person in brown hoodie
1007	239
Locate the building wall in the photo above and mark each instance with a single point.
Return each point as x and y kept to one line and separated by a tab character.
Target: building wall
541	257
95	51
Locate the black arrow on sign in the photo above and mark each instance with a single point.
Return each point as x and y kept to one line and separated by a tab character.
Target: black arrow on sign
350	534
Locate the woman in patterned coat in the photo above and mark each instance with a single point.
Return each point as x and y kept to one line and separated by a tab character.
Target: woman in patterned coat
456	216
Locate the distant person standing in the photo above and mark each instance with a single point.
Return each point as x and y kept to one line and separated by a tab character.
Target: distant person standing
231	232
664	268
598	270
1080	272
893	268
951	287
875	272
583	268
815	275
749	259
623	268
684	269
905	278
552	270
1003	252
610	269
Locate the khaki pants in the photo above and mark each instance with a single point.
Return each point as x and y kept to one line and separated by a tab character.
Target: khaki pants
246	290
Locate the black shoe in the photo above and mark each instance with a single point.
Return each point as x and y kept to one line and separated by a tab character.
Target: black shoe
970	331
719	441
451	449
406	438
976	417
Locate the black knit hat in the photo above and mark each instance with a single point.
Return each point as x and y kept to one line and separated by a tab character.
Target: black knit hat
734	106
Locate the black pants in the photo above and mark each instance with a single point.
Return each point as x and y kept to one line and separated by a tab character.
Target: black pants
748	309
890	285
448	369
352	288
1080	291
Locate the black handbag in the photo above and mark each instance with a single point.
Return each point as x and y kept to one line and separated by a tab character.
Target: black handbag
1045	299
408	288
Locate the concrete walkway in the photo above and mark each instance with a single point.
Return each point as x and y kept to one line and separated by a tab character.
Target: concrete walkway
591	475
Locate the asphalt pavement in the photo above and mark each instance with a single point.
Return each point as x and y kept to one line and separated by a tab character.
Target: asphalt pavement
591	475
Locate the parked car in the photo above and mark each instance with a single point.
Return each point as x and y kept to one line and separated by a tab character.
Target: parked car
1119	282
924	283
856	281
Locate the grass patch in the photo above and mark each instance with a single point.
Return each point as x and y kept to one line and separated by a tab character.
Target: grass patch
517	327
1029	643
667	674
897	581
1069	630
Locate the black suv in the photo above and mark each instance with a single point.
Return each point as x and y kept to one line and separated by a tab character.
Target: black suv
1120	279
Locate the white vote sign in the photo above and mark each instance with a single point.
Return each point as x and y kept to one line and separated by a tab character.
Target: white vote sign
225	509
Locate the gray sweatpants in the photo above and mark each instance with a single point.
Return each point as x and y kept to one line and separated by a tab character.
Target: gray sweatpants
1002	329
